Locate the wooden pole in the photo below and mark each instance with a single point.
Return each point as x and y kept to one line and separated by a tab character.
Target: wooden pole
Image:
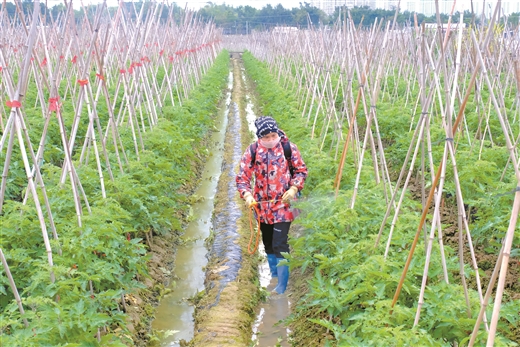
13	288
437	175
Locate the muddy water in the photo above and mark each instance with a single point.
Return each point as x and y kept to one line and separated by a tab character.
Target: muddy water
268	329
191	268
226	250
175	313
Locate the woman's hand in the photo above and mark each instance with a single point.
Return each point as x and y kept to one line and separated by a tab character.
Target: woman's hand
290	194
250	201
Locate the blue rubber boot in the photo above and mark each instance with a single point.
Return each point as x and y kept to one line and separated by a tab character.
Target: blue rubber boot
283	277
271	259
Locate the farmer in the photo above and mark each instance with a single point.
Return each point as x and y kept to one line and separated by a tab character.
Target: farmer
279	173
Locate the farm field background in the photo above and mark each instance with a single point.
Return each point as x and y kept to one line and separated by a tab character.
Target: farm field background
409	214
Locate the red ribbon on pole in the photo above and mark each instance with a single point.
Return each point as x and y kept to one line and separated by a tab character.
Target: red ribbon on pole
83	82
13	104
100	76
53	104
122	71
74	59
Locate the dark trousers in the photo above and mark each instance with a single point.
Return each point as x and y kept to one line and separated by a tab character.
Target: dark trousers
274	237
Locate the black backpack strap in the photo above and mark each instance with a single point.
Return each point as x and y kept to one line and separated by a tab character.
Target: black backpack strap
287	152
252	149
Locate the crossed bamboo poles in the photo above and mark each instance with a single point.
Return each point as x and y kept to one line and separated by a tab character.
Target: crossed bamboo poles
305	61
149	62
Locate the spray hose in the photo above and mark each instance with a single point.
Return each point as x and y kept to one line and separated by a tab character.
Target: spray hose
255	208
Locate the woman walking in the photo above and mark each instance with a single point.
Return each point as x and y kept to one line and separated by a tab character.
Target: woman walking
272	172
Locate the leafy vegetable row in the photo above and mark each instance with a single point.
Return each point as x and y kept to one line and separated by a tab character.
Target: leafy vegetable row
349	284
105	259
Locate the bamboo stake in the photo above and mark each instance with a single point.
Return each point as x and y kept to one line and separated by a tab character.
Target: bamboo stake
505	254
485	302
417	135
510	233
371	115
13	288
17	127
419	130
339	173
436	218
430	195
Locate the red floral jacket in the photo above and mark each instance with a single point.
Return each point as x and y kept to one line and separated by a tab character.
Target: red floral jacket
271	180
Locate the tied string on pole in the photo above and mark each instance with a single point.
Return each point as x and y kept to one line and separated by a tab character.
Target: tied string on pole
514	191
443	140
83	82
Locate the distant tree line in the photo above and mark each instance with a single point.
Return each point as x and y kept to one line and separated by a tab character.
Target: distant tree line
244	19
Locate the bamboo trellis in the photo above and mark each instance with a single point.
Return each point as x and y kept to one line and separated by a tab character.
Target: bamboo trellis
368	60
73	67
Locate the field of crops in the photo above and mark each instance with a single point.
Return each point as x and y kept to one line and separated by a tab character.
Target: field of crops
384	116
409	214
98	159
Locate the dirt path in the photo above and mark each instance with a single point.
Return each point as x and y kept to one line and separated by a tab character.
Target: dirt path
225	311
